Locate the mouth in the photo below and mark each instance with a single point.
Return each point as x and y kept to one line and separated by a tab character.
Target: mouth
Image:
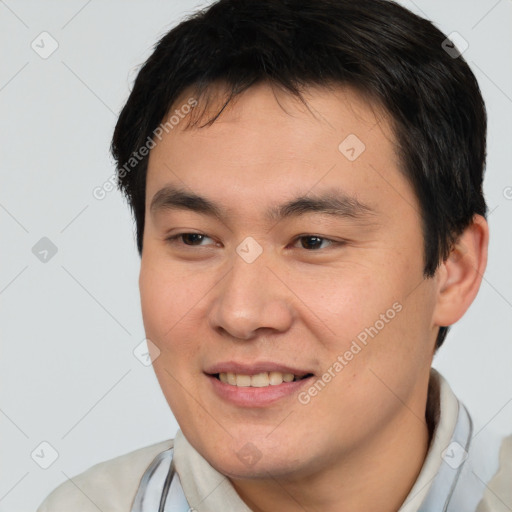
258	384
259	380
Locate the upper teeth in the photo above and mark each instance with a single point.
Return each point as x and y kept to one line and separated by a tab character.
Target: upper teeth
259	380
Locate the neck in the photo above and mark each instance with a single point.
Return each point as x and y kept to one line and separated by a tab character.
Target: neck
376	477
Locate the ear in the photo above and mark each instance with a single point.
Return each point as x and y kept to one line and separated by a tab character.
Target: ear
460	276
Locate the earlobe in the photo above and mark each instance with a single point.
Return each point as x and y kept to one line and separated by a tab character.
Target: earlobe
460	276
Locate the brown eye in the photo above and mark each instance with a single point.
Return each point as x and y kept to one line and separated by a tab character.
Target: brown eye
192	238
188	239
313	242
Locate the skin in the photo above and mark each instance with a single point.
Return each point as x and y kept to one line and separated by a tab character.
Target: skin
360	443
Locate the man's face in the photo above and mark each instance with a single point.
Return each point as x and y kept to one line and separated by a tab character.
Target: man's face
335	295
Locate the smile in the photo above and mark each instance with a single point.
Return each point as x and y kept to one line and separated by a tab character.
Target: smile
259	380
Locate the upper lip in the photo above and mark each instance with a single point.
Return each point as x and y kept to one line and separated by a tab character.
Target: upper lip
254	368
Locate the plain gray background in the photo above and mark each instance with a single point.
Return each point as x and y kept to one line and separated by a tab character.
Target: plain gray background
70	324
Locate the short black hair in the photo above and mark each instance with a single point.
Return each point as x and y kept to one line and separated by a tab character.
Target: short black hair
390	55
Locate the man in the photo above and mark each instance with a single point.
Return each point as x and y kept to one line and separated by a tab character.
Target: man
306	180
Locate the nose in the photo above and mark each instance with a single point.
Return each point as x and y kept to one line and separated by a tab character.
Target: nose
251	299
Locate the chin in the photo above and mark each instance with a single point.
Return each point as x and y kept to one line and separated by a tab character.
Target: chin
251	456
263	468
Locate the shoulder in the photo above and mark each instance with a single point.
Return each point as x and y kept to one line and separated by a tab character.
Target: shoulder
498	493
109	485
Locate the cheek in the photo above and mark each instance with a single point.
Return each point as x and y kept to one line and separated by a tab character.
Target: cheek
167	303
167	307
377	317
346	300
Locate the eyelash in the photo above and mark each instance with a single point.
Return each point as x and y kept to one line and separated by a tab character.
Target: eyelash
173	239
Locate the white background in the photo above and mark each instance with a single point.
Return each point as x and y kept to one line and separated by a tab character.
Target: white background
69	326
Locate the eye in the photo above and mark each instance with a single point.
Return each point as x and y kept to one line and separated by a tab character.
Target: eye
314	242
308	242
188	239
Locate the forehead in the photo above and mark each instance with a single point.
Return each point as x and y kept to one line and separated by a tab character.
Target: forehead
267	143
264	109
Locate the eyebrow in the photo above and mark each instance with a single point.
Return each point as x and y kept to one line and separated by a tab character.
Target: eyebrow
332	202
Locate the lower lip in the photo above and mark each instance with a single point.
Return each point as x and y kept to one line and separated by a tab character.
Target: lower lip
256	397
